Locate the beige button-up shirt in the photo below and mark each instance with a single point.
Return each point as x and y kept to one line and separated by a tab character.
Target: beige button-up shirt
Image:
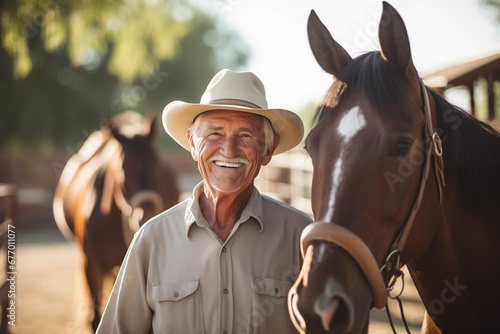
179	277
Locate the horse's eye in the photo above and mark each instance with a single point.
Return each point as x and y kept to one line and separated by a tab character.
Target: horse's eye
402	147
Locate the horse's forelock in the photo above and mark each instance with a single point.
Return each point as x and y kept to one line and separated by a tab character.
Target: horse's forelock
367	77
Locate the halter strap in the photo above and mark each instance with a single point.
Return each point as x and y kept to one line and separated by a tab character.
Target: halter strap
360	252
432	144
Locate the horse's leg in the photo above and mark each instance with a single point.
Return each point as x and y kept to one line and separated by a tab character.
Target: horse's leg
95	278
429	327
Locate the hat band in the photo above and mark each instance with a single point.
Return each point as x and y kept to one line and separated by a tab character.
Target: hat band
235	102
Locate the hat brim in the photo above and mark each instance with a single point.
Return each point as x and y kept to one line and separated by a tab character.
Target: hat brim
178	116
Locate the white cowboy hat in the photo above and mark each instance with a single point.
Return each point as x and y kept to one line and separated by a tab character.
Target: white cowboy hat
239	91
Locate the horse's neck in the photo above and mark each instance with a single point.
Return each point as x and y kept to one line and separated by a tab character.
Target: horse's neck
456	275
91	162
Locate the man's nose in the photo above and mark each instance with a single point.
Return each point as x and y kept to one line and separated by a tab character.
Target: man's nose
230	146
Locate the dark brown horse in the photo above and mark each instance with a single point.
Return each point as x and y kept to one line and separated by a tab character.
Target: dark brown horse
113	184
401	177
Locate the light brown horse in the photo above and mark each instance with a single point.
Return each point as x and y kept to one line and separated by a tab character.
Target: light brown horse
401	177
106	190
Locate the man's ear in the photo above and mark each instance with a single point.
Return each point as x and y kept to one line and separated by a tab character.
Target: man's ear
269	155
189	136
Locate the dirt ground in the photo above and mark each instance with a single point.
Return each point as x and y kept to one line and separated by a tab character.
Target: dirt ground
51	296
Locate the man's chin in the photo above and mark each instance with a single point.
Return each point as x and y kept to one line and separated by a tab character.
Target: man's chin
227	189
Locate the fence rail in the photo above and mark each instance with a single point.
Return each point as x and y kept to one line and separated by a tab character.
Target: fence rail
288	178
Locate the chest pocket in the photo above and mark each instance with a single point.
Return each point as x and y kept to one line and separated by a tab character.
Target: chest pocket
178	308
269	306
174	292
271	287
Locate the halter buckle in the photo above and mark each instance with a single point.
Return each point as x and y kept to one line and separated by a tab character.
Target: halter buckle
392	268
438	144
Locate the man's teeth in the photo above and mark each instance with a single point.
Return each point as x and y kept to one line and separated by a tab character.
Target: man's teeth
227	164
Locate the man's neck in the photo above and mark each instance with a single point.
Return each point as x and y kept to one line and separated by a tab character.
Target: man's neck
222	210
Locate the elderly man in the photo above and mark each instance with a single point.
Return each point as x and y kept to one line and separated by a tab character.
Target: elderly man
222	261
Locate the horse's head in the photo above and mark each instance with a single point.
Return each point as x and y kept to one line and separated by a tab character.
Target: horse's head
145	182
369	152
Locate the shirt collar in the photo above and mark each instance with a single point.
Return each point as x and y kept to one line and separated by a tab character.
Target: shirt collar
193	214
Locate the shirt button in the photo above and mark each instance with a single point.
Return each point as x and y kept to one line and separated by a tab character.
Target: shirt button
226	291
176	294
225	332
276	290
224	249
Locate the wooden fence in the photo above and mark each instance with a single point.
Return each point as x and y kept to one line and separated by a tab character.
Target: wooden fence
8	236
288	178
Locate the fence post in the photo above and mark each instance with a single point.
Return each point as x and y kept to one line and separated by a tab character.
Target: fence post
8	236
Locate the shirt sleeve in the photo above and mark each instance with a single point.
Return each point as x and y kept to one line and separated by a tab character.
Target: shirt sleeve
127	310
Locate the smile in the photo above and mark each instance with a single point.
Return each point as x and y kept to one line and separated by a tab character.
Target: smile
228	164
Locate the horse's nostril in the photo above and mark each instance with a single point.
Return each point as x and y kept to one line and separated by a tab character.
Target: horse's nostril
336	313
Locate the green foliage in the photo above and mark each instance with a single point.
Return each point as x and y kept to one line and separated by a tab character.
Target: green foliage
62	100
142	32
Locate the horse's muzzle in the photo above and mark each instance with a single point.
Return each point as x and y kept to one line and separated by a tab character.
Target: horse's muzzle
353	245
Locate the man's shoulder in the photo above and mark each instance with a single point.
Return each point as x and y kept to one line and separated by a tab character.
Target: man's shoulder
168	219
283	209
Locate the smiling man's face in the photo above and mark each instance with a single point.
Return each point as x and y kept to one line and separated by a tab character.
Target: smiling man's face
229	147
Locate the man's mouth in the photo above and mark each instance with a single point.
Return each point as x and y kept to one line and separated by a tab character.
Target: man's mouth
227	164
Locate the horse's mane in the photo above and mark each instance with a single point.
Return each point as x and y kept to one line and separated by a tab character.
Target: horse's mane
471	147
471	153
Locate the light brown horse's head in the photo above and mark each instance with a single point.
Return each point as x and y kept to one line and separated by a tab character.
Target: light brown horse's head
368	152
146	184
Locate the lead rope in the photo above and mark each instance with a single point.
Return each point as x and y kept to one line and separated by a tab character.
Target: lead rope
402	316
397	273
403	319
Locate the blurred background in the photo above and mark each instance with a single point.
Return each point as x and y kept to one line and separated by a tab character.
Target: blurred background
67	65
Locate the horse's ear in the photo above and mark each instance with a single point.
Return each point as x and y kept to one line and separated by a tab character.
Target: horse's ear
151	118
328	53
394	42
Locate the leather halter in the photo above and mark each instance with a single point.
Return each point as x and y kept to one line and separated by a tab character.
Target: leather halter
360	252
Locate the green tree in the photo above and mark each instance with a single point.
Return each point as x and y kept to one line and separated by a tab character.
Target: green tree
141	32
62	99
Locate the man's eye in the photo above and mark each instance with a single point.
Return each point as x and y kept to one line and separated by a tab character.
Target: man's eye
215	134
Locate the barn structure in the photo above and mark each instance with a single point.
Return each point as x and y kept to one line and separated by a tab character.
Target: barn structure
467	74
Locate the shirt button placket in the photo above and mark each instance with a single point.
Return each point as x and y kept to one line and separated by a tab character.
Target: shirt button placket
226	315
